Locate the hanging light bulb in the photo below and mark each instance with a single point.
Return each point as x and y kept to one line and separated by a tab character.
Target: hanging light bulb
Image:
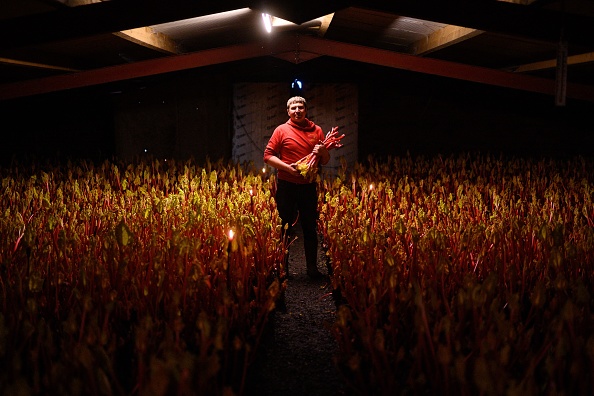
297	87
267	22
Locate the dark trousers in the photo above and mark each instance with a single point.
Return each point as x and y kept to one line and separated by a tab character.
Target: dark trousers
299	202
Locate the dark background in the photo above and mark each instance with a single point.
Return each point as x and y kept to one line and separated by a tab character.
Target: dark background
189	115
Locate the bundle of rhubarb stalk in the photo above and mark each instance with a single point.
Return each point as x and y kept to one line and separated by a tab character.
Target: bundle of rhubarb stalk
308	165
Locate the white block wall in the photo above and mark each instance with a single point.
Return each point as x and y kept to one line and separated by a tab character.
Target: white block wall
258	108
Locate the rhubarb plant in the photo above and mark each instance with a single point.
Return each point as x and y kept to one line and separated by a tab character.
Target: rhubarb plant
308	165
119	278
465	275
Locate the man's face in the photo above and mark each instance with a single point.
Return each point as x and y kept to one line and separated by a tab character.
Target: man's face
297	112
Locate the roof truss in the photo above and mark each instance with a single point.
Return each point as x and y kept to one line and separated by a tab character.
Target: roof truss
313	46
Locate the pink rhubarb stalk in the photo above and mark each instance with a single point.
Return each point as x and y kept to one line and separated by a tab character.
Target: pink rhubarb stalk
308	165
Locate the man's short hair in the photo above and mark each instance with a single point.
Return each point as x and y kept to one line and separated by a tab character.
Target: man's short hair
296	99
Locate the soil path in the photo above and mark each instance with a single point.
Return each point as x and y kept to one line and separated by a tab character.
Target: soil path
297	356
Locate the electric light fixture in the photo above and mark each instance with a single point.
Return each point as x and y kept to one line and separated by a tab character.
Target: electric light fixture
267	22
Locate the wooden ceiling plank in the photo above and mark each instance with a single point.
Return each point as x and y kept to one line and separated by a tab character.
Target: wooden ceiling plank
111	16
143	36
442	38
299	12
326	20
452	34
103	17
522	2
552	63
76	3
493	16
36	65
147	37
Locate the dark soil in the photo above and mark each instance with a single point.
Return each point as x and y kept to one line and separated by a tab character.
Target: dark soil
297	355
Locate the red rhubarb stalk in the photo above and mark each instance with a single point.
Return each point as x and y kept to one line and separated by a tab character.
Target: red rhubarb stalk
308	165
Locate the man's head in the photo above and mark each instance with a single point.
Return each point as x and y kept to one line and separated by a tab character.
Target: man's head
297	110
296	99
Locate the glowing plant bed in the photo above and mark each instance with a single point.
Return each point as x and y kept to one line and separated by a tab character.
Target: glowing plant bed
464	275
123	279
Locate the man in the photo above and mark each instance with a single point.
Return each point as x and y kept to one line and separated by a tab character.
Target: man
296	197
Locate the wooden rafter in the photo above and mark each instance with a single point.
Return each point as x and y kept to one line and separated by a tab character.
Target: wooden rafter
133	70
17	62
552	63
307	44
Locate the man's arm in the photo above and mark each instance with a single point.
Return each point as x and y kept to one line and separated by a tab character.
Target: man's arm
322	152
277	163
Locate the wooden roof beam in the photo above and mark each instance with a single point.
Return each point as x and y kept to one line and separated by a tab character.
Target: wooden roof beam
134	70
442	68
307	44
17	62
552	63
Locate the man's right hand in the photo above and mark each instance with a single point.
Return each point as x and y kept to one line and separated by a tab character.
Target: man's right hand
292	169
